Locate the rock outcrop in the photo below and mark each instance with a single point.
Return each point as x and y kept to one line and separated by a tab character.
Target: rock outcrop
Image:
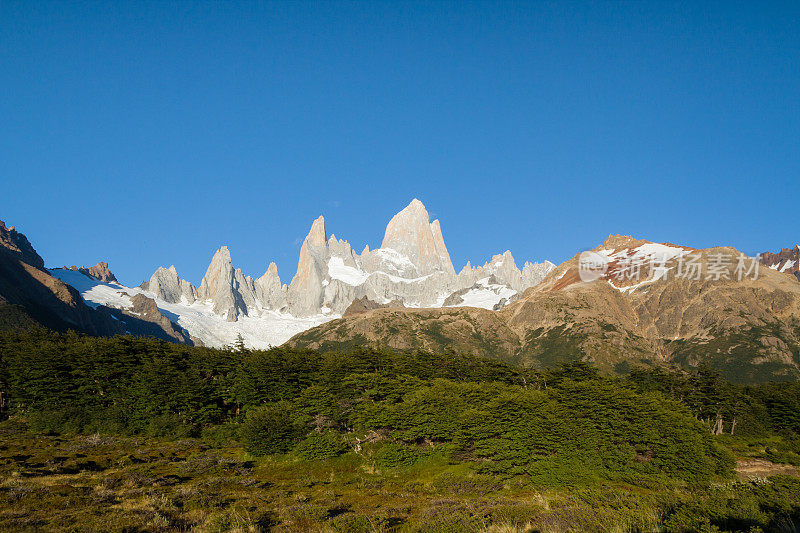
787	260
100	272
143	318
364	304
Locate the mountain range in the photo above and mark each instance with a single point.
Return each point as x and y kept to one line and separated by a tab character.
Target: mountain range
407	295
412	268
748	329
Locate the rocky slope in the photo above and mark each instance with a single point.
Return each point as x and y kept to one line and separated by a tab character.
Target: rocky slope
30	294
747	328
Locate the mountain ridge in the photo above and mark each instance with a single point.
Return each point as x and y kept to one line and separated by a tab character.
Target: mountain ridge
411	268
749	328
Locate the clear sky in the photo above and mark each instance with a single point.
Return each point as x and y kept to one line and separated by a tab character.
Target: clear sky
151	133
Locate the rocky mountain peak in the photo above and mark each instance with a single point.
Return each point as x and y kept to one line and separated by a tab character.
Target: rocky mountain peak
620	242
220	285
17	244
411	233
787	260
316	235
100	272
412	267
167	285
305	291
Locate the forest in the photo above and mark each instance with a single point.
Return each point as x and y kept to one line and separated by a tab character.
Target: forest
656	449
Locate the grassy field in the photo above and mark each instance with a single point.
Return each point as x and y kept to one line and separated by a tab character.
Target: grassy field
114	483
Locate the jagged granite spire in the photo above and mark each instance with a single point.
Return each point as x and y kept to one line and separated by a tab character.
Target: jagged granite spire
221	287
412	266
305	291
269	290
167	285
411	233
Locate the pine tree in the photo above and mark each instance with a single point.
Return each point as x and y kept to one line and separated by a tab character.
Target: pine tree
239	345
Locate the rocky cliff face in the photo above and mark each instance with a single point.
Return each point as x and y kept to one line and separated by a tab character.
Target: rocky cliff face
269	290
225	287
306	290
166	284
411	233
16	245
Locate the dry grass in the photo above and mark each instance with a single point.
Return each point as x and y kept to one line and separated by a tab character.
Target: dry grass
110	483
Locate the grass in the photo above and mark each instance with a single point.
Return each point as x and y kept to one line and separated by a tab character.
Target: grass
113	483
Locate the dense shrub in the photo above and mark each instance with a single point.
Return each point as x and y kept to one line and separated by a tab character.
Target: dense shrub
396	454
321	446
221	435
770	506
568	425
563	435
270	429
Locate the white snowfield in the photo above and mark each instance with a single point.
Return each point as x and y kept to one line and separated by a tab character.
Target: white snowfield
355	276
350	275
271	328
645	252
486	295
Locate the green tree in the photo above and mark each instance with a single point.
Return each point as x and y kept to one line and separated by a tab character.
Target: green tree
270	429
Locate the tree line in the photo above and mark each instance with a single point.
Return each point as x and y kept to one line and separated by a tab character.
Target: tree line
395	407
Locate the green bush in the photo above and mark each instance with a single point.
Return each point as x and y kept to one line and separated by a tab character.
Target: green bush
270	429
396	454
169	426
68	421
222	435
321	446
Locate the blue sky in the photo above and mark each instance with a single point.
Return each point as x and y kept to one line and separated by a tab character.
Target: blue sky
150	133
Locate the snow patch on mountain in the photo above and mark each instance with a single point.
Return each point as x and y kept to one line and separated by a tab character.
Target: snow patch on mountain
269	328
350	275
486	295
